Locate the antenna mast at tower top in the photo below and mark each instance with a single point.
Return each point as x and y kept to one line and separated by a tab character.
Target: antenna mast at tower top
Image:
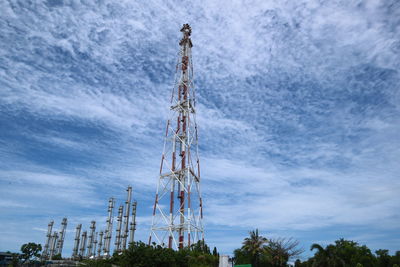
179	224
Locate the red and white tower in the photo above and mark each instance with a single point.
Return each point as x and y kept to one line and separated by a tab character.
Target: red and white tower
178	208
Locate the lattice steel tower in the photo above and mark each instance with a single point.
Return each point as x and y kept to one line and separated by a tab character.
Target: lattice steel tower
177	225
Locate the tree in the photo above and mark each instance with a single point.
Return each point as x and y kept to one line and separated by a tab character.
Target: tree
343	253
215	252
383	257
30	250
140	254
255	246
281	250
241	257
395	259
326	257
57	257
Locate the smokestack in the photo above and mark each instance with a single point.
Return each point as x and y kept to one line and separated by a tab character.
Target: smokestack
119	226
133	223
126	217
76	244
45	253
60	242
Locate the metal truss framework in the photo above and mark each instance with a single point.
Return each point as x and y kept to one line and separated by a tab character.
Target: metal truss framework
177	225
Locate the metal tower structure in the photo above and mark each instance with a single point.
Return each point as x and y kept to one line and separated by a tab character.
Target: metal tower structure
118	231
76	244
60	242
82	249
91	239
179	225
45	253
100	244
108	232
95	245
126	218
53	243
132	229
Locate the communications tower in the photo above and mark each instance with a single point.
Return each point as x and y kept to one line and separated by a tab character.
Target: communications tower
178	207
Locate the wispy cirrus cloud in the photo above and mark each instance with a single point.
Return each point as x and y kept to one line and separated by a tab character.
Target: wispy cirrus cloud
298	114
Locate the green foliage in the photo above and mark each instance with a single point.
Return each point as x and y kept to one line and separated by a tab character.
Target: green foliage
215	252
348	253
140	254
57	257
260	251
383	257
254	247
29	251
343	253
241	256
257	250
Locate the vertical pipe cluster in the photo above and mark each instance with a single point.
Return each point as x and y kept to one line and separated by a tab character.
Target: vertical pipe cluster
91	239
76	244
48	239
100	244
54	240
108	232
83	244
60	242
118	230
133	223
94	244
53	243
126	217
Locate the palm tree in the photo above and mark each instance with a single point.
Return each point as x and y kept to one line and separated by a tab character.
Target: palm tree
326	257
254	245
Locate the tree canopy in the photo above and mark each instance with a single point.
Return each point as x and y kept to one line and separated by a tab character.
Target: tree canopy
30	250
348	253
260	251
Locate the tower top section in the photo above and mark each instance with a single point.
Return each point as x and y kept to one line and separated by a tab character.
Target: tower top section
186	30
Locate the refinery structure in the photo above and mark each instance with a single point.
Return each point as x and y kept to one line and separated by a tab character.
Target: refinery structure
92	244
178	208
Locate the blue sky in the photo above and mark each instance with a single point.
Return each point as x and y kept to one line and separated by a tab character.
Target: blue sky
298	113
